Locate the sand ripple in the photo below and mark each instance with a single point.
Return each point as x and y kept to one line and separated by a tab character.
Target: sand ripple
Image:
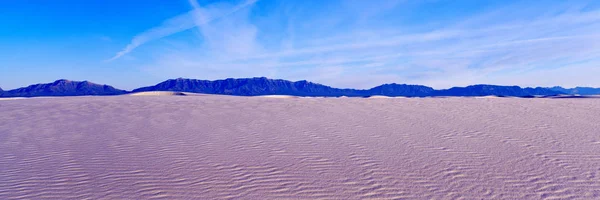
220	147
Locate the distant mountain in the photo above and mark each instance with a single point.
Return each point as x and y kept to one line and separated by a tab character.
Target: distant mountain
401	90
487	90
264	86
577	90
63	88
250	87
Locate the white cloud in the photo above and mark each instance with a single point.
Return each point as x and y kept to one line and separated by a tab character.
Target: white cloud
186	21
484	48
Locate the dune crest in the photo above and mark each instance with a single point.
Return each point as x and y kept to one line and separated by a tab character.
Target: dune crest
11	98
278	96
158	93
379	97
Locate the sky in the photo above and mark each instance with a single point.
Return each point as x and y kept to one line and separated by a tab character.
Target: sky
341	43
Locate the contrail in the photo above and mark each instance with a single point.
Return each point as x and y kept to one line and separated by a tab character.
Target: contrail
177	24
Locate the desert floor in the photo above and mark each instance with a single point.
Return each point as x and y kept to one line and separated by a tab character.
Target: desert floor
224	147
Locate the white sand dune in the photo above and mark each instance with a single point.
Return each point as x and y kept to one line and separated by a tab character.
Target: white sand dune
488	97
159	93
11	98
220	147
575	97
379	97
278	96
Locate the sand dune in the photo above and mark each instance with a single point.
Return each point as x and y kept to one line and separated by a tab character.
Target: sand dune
488	97
220	147
379	97
164	93
11	98
575	97
279	96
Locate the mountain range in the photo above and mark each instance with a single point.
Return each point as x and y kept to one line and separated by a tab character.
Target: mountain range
63	87
264	86
577	90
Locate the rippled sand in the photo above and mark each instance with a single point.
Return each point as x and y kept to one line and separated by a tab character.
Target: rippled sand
220	147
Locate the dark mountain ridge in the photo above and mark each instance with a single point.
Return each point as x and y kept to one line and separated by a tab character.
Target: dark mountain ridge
265	86
495	90
577	90
63	87
249	87
401	90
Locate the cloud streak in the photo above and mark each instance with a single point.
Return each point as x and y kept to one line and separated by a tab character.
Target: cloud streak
183	22
328	47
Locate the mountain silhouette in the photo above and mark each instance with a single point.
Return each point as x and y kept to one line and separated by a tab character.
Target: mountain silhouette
249	87
401	90
495	90
577	90
63	87
265	86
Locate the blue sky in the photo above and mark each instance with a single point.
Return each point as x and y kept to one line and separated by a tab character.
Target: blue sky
346	43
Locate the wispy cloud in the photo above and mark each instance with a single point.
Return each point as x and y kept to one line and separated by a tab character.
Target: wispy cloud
332	46
197	17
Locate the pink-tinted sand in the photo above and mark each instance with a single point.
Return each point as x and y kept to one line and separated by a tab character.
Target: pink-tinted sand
221	147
